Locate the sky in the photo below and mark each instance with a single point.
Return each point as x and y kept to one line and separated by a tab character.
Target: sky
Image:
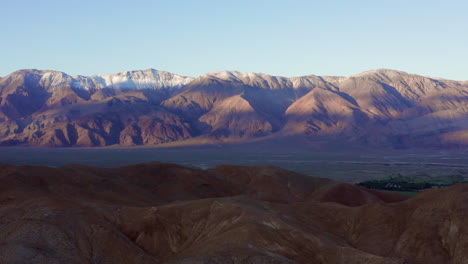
193	37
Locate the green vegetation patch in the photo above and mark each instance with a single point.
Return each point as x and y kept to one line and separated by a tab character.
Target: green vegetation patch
410	193
412	184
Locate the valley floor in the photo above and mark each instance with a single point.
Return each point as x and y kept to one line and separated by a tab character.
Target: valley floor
346	165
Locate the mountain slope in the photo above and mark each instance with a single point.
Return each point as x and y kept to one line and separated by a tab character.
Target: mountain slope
383	108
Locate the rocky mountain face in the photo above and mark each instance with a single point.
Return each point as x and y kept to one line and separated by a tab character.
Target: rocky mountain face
375	108
165	213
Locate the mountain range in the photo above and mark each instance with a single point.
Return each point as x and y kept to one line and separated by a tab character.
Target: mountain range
385	108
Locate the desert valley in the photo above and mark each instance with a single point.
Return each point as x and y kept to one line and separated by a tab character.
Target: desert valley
233	132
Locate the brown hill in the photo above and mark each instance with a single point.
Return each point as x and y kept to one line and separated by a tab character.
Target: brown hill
165	213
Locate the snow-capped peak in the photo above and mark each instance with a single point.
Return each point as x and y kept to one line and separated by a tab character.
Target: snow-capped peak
145	79
142	79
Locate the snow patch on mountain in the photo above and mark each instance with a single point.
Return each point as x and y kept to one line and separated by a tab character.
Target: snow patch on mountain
146	79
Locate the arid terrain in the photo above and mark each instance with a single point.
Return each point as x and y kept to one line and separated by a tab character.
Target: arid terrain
166	213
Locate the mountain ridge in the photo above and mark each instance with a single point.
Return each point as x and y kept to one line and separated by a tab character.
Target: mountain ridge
217	72
143	79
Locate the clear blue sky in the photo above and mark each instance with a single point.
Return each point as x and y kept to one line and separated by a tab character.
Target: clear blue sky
192	37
